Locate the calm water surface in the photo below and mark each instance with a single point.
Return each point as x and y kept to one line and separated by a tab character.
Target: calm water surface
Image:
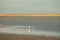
42	25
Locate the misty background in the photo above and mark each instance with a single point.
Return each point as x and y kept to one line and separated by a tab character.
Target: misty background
30	6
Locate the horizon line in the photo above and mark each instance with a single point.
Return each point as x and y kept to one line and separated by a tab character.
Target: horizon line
29	14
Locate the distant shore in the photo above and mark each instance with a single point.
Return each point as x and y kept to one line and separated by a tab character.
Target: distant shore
26	37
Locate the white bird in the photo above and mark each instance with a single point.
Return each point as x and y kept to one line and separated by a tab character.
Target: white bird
30	28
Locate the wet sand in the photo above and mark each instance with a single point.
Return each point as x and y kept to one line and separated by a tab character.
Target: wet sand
26	37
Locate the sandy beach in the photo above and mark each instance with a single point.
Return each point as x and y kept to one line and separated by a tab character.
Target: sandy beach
26	37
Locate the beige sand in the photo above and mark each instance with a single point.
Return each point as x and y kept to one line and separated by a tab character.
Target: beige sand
26	37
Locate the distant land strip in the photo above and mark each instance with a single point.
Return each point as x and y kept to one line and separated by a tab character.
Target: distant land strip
29	14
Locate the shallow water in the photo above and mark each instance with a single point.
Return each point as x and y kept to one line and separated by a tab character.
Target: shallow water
42	25
22	30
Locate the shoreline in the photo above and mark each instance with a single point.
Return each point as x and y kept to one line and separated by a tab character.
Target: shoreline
13	30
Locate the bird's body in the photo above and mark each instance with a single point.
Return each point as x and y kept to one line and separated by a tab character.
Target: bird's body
30	28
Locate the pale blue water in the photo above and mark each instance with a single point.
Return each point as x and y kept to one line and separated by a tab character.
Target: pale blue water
22	30
42	25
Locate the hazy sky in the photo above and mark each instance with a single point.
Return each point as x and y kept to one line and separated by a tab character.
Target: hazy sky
29	6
